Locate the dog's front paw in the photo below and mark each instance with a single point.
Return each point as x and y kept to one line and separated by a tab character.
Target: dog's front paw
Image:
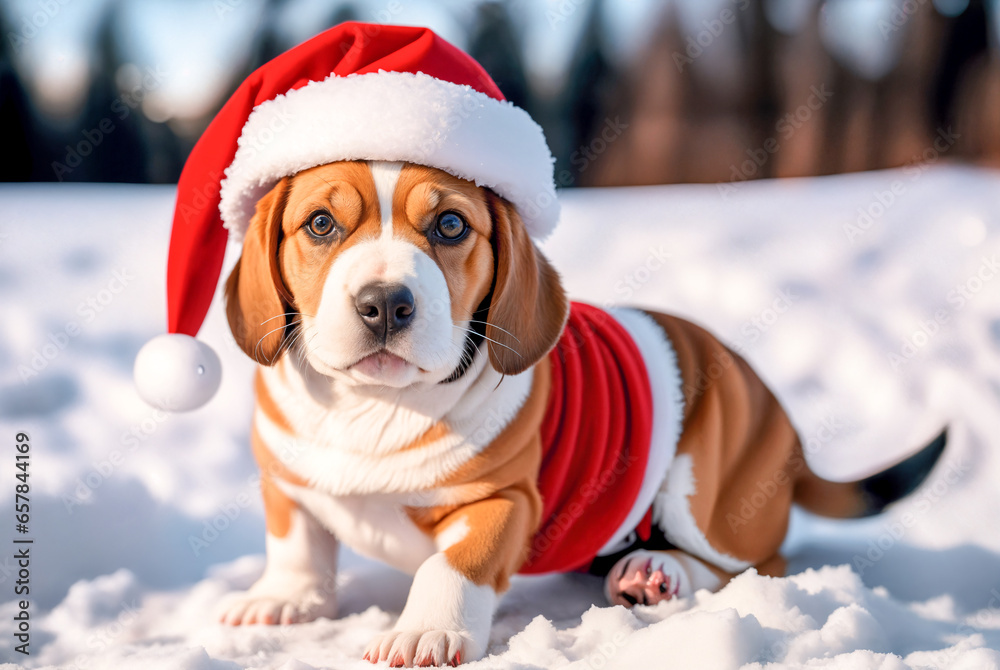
272	607
406	649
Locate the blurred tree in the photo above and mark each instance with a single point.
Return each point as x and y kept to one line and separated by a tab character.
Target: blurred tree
677	115
266	43
262	46
20	140
496	44
103	142
967	91
122	155
801	65
586	99
761	97
713	116
346	12
965	42
901	118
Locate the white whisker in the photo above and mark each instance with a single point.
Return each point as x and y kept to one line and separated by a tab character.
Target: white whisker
281	315
257	346
488	339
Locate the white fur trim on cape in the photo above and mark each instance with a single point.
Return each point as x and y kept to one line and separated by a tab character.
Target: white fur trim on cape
668	411
393	116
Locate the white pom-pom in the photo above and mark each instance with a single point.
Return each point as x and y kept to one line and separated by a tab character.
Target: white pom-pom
177	372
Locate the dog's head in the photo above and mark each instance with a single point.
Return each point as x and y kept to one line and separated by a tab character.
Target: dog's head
389	274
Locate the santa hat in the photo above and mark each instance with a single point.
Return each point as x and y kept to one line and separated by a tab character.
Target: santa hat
358	91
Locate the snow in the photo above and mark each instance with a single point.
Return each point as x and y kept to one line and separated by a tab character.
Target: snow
143	520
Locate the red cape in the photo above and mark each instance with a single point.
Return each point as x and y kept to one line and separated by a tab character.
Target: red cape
595	441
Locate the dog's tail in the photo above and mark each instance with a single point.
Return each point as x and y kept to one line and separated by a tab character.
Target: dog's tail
871	495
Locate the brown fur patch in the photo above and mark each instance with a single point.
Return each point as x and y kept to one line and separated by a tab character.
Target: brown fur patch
277	506
529	306
439	430
422	194
500	528
497	496
256	298
347	191
266	404
746	455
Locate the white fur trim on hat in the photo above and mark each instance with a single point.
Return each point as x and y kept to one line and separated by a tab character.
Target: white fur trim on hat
394	116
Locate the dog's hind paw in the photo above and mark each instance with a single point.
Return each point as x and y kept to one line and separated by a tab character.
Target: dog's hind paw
255	608
407	649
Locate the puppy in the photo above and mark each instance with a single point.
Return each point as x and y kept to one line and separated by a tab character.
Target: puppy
428	396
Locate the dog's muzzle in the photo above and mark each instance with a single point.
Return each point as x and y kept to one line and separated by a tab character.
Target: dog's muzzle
386	309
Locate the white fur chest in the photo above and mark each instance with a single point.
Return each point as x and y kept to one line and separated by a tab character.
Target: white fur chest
366	457
348	443
375	525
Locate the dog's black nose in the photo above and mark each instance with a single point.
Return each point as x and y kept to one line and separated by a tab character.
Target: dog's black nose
385	308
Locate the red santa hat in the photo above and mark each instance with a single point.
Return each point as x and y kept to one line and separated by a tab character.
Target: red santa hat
355	92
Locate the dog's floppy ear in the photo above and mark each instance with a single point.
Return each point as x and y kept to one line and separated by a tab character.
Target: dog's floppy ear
256	298
529	306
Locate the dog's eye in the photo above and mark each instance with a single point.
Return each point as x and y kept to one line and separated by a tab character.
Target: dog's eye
321	225
451	227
